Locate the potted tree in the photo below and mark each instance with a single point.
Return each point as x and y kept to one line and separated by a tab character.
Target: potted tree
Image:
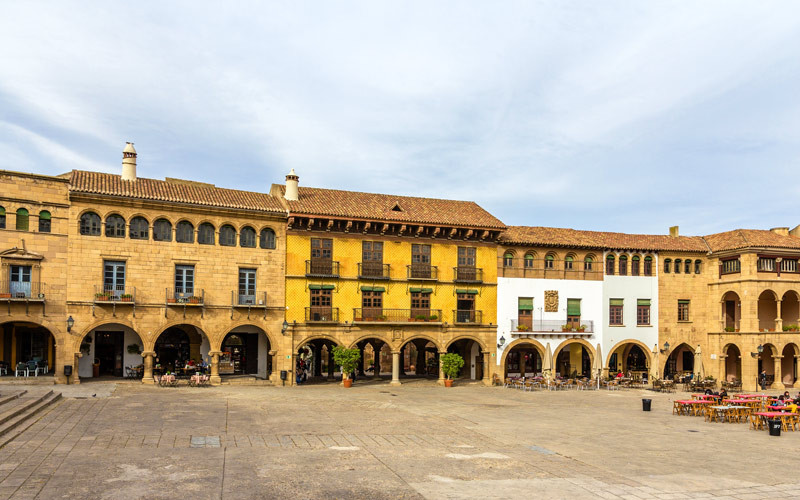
348	359
451	365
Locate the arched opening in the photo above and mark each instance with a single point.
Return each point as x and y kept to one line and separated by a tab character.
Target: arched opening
766	363
610	264
419	358
376	358
680	362
733	363
573	360
90	224
314	361
524	360
767	311
139	228
115	226
184	232
267	239
22	219
470	350
180	346
631	359
205	234
731	311
789	364
247	237
790	311
245	353
112	350
29	344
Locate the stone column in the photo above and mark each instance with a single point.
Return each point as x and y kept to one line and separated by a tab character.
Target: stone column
361	361
486	358
441	372
722	368
377	351
776	363
778	318
271	360
74	378
318	359
395	368
147	375
403	361
331	362
722	315
215	379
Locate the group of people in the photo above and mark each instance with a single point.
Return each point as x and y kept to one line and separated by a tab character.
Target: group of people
786	400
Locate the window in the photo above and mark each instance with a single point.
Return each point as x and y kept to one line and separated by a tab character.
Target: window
247	286
508	259
227	236
568	260
90	224
549	261
635	266
587	263
687	266
205	234
162	230
466	256
525	314
698	268
115	226
184	232
648	266
731	266
421	302
139	228
184	281
372	258
574	313
2	218
20	283
677	266
615	311
44	221
267	239
643	312
321	298
529	261
610	265
420	261
114	278
623	265
667	265
22	219
247	237
683	310
766	264
787	265
322	256
372	300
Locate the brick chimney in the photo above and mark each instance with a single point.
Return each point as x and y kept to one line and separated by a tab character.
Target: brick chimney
673	231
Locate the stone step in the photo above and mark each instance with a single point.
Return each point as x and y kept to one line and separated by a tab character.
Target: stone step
7	398
27	413
46	379
246	381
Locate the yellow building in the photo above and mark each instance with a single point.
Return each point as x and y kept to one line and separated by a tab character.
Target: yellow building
412	277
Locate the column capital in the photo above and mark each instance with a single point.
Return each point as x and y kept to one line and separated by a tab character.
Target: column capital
148	353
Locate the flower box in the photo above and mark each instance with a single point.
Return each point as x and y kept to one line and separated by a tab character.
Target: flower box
5	295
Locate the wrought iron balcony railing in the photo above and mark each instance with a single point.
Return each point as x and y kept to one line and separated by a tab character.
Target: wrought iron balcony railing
185	296
467	316
254	299
423	272
396	315
468	274
373	270
16	290
323	268
114	293
322	314
551	326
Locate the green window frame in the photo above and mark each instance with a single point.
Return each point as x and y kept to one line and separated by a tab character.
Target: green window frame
22	219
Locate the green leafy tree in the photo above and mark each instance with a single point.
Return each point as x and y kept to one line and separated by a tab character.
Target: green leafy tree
451	364
346	358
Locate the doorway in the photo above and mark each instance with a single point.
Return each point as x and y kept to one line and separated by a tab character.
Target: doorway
108	352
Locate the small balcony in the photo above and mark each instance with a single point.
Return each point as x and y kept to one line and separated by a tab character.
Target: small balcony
322	314
185	297
468	274
467	317
116	294
552	327
254	300
423	272
373	271
378	314
12	291
322	268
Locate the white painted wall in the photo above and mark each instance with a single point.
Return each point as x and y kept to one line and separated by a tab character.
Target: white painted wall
473	353
85	362
630	289
262	347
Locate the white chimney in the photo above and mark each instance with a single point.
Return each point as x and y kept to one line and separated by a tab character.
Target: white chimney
128	162
674	231
291	186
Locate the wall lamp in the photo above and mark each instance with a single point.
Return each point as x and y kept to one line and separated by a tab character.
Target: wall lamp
70	324
760	349
501	342
665	348
285	326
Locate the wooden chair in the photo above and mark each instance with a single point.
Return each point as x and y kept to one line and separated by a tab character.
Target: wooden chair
756	422
677	408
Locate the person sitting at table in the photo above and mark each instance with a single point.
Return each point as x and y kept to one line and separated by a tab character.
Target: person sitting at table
723	393
708	392
779	402
190	363
791	406
620	375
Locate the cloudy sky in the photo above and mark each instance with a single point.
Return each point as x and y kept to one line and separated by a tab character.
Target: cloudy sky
622	116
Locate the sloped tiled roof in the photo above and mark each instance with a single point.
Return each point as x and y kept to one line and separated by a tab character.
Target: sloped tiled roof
151	189
744	238
551	236
372	206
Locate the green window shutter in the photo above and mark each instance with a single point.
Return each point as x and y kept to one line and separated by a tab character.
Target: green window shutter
616	302
412	289
315	287
367	288
525	304
574	307
683	302
643	302
328	287
470	292
426	290
44	215
2	211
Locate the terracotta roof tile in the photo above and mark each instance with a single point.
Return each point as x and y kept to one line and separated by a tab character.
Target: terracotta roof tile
551	236
372	206
744	238
151	189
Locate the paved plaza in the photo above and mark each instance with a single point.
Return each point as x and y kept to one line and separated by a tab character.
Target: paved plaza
125	440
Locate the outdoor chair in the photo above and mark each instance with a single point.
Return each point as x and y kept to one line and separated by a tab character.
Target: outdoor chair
528	385
33	366
508	382
22	369
43	366
3	368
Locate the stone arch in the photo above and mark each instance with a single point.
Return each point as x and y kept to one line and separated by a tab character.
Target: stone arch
790	309
418	336
516	342
582	342
369	336
767	310
672	364
789	362
647	352
317	336
245	348
270	336
51	352
113	358
422	354
214	342
467	337
732	364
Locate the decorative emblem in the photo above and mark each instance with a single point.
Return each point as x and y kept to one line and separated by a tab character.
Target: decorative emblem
397	334
551	301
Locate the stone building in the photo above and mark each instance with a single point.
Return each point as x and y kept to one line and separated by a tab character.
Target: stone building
407	277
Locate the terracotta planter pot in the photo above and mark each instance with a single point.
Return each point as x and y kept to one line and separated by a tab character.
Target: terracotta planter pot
171	301
448	383
5	295
348	383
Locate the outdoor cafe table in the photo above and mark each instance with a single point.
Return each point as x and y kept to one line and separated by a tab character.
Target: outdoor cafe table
704	396
752	396
728	412
689	406
788	419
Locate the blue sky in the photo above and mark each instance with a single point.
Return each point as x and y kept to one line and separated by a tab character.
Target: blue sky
619	116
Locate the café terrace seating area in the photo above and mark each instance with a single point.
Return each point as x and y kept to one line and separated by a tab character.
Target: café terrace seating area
754	409
540	382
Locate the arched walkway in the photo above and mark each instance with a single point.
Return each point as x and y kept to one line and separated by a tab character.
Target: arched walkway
789	364
790	311
314	361
731	312
630	357
178	345
767	311
680	362
733	363
21	342
523	359
573	357
419	357
766	362
245	351
469	349
110	349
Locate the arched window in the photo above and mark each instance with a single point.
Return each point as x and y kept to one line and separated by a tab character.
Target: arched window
267	239
635	265
184	232
90	224
677	266
610	265
205	234
667	265
2	218
508	259
648	266
623	265
227	236
529	261
115	226
139	228
697	267
22	219
588	262
549	261
568	260
44	221
247	237
162	230
687	266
